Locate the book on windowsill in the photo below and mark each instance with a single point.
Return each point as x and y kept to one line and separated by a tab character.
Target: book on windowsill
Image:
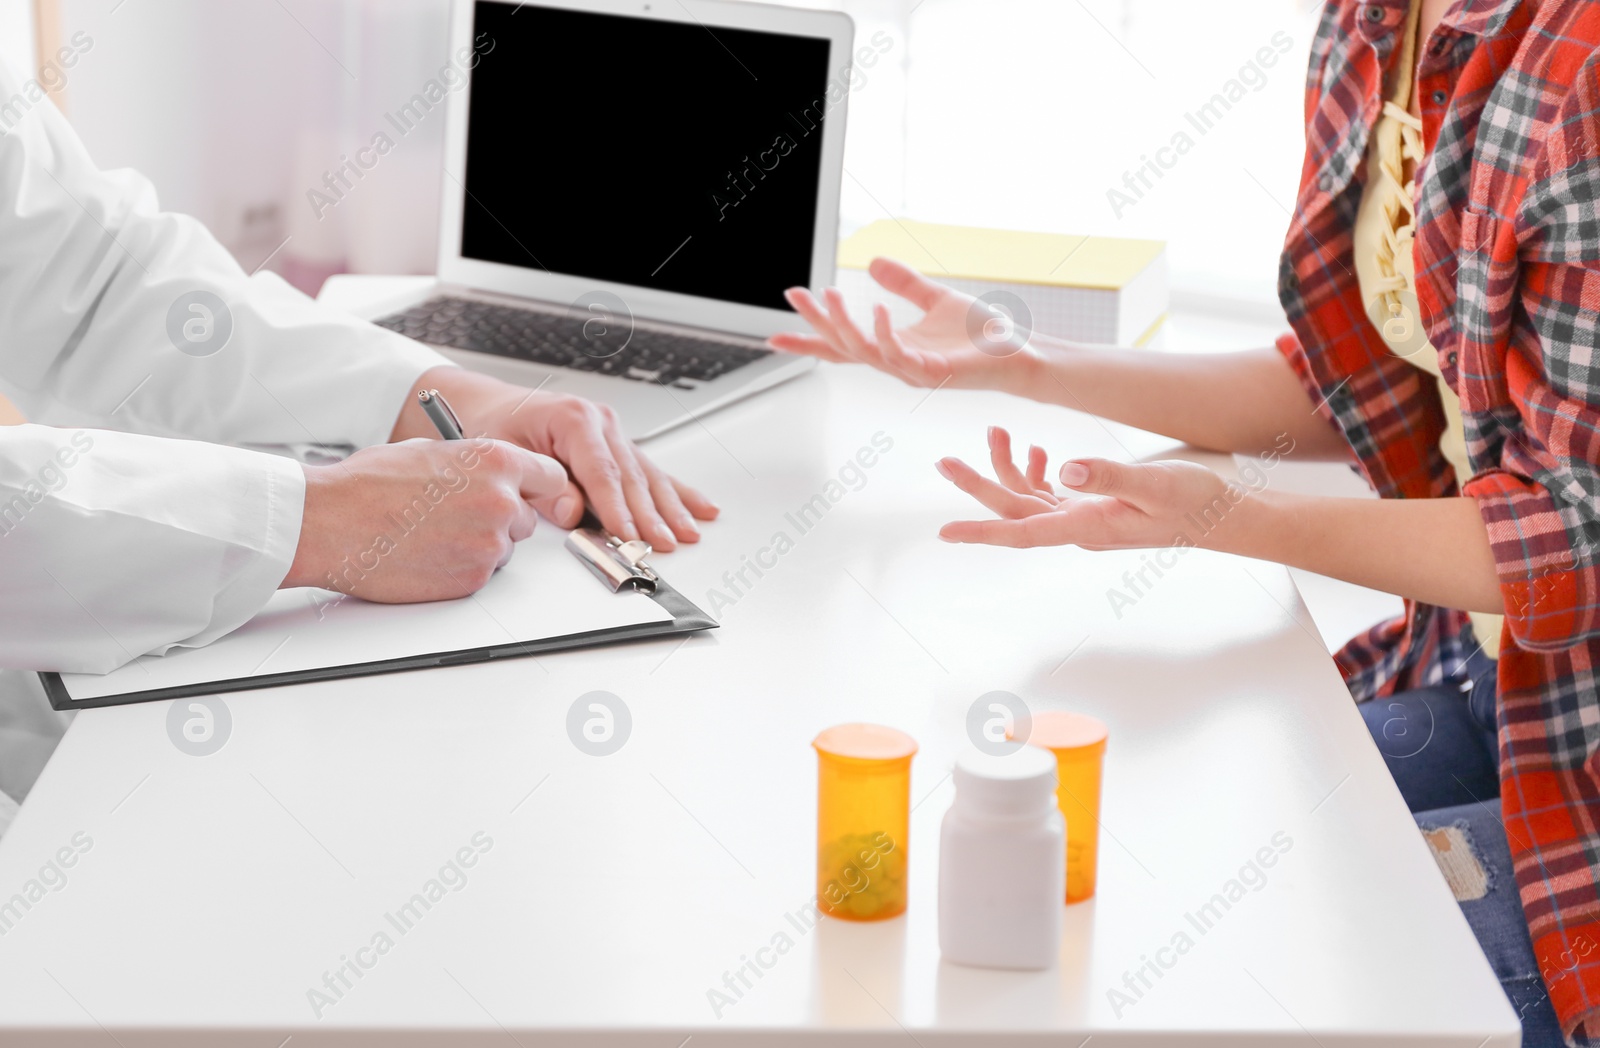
1088	289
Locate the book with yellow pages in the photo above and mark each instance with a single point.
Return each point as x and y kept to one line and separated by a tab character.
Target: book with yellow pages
1088	289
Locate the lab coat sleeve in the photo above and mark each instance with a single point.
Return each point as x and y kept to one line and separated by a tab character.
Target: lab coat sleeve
114	545
118	544
121	316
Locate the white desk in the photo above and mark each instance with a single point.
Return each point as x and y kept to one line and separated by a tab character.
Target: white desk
218	890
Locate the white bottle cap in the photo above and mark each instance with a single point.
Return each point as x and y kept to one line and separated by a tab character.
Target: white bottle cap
1016	780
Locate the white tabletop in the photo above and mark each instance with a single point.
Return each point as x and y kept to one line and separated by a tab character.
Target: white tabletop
609	895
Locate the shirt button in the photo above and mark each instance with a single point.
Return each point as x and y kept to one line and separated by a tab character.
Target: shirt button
1451	358
1374	13
1439	98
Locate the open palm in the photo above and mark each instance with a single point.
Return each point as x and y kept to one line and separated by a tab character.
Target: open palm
959	341
1147	505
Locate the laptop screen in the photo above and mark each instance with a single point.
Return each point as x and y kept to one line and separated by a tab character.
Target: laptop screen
666	155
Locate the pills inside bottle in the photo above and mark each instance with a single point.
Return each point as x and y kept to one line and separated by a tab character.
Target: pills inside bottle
863	820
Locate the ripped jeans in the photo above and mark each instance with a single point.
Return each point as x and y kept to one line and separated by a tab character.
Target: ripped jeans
1440	746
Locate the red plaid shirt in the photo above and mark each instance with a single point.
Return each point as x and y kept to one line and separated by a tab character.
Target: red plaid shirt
1508	281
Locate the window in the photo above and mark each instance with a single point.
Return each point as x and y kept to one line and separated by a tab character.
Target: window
1167	119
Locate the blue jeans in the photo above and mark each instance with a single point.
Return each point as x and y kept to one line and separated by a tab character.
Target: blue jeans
1440	746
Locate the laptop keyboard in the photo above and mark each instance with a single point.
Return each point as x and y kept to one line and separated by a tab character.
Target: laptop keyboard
570	340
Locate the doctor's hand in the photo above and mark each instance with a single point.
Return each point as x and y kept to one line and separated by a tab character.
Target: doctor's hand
959	341
632	496
419	520
1139	506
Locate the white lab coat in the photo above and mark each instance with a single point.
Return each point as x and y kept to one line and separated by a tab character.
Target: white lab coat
128	524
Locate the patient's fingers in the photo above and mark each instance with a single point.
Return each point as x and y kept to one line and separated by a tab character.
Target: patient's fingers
996	497
1038	463
917	369
900	279
855	343
812	312
1005	470
1047	529
807	345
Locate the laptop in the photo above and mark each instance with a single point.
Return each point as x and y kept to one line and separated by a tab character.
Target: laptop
629	187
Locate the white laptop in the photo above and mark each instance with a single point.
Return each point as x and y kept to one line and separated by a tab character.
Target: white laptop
629	187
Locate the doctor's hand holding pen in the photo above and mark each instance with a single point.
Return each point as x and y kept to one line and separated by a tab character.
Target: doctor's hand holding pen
524	453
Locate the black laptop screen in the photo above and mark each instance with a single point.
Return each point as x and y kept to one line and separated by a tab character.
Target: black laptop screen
666	155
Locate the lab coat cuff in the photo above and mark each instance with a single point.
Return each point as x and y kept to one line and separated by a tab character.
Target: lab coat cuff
283	485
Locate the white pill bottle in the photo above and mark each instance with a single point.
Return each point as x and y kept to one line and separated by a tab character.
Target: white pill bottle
1002	861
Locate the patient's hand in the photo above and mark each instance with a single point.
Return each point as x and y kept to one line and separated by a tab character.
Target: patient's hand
959	341
1138	506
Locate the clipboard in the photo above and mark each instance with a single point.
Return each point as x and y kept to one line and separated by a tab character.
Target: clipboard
616	566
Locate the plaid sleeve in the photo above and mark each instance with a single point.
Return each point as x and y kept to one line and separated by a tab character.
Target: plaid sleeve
1542	506
1544	550
1388	411
1391	420
1294	352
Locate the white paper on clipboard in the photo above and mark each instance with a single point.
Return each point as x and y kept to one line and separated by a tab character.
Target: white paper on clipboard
543	592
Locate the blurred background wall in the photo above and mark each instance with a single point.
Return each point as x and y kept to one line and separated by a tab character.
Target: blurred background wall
1031	114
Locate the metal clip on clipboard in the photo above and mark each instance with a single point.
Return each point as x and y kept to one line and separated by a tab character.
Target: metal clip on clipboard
614	562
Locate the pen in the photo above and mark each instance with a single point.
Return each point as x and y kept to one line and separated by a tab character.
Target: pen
439	413
444	420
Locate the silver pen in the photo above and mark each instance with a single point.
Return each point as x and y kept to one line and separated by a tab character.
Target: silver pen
449	427
439	413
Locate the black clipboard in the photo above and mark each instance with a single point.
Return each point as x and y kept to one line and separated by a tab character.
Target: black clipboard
620	565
